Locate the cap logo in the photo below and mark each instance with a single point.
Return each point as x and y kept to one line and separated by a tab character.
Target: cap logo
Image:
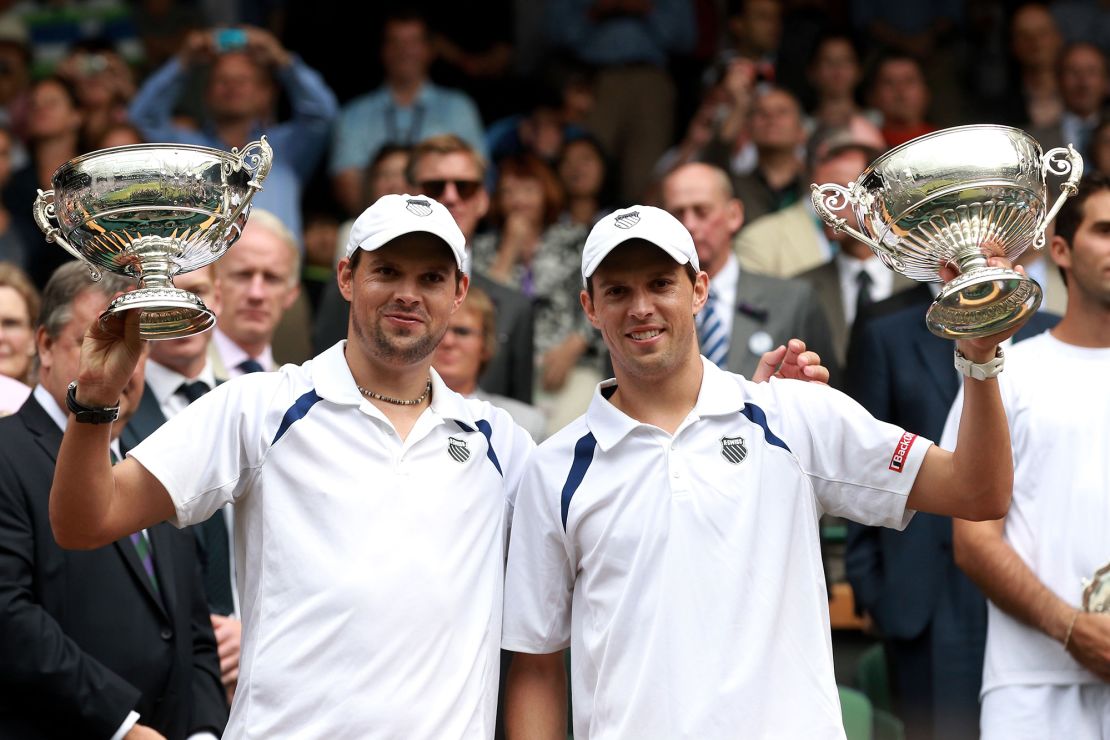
627	220
418	207
733	449
457	449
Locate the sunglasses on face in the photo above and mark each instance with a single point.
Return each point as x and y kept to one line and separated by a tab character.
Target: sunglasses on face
436	188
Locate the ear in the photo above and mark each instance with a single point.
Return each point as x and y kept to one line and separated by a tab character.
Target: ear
588	307
291	295
345	277
1060	252
701	291
460	292
735	210
45	345
482	204
215	301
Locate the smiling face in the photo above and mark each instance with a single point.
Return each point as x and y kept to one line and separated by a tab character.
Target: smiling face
17	345
644	302
402	297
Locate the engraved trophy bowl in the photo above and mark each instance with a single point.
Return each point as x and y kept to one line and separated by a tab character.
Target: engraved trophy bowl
949	197
152	211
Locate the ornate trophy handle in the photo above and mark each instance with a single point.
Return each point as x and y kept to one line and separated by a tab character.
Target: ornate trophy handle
831	197
1059	161
44	211
258	163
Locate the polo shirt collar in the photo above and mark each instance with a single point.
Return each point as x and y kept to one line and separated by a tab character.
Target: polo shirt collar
332	379
719	395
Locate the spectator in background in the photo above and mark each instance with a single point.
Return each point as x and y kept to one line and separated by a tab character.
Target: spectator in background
15	78
259	282
466	350
532	252
19	310
630	43
778	133
239	101
54	131
834	74
1100	149
1035	44
537	129
854	277
474	52
106	642
755	33
586	177
386	175
104	85
746	313
406	109
13	247
119	134
900	99
1084	84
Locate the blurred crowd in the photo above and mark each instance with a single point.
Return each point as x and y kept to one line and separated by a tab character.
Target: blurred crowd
530	121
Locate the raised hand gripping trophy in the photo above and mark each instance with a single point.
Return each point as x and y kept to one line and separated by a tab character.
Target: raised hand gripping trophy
152	211
945	198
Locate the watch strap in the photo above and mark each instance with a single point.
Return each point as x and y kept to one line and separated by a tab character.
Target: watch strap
980	370
88	414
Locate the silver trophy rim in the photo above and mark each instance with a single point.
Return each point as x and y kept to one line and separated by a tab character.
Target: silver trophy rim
944	132
167	146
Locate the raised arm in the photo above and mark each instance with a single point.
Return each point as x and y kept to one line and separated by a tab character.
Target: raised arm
93	503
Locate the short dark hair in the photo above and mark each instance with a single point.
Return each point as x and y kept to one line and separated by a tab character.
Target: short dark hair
1071	214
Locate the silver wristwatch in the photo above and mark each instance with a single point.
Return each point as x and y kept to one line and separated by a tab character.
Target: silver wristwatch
980	370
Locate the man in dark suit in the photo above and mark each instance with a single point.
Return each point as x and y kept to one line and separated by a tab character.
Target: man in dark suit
179	371
751	313
855	277
1083	77
448	169
112	642
932	618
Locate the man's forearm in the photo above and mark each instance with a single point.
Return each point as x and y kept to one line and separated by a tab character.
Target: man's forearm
993	565
536	698
81	496
983	459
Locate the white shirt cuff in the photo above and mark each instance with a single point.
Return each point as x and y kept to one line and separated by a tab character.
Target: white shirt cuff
131	721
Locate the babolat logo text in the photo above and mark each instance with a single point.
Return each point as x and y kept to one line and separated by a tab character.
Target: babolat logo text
733	449
627	220
901	452
419	207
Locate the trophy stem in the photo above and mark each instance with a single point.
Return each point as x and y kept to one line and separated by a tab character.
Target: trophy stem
969	260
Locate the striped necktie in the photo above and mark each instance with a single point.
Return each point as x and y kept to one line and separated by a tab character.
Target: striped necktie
711	333
146	557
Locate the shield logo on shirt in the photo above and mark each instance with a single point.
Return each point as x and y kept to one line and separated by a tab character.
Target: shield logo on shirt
733	449
457	449
419	207
627	220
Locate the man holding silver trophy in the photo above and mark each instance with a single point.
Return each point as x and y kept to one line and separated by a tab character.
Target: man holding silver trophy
1046	566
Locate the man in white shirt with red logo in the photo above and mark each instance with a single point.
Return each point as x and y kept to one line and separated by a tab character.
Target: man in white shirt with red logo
669	536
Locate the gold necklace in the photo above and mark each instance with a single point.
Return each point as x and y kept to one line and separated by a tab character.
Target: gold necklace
396	401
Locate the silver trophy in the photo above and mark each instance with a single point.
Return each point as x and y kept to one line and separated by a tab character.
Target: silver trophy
1096	591
152	211
948	197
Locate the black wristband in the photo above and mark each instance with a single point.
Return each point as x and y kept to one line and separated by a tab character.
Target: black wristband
87	414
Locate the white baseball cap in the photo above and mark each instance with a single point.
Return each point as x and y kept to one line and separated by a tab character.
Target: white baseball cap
396	215
649	223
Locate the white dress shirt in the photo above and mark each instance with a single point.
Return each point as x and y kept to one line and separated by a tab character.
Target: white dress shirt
231	354
849	268
164	382
723	285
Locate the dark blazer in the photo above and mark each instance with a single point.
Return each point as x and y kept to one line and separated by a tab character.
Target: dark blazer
84	639
782	309
825	280
509	372
903	374
145	420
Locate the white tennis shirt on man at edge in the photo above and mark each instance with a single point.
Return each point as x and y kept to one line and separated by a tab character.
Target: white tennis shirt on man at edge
685	572
370	569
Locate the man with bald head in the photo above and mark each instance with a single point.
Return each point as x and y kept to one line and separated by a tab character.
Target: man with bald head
746	314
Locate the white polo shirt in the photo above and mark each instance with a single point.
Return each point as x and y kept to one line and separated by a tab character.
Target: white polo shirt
685	572
370	569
